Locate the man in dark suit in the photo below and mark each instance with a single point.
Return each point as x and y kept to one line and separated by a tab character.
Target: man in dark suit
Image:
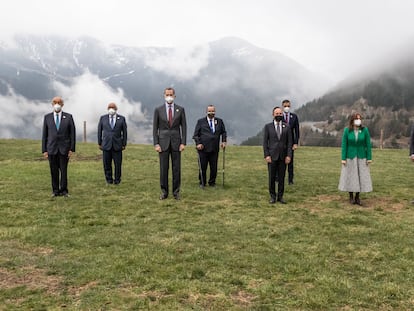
58	144
170	136
112	140
293	121
277	148
207	138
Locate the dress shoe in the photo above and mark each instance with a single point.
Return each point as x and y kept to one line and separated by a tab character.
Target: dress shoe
54	195
177	196
212	185
291	182
281	201
65	194
272	200
163	196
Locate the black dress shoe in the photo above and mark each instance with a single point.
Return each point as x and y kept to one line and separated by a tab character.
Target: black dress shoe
272	200
55	195
290	182
281	201
163	196
177	196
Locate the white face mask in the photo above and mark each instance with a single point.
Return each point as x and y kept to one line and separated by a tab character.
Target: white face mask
357	122
111	111
286	109
57	107
169	99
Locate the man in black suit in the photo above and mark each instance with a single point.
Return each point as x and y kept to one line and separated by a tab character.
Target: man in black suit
170	136
207	138
277	148
112	140
58	144
293	121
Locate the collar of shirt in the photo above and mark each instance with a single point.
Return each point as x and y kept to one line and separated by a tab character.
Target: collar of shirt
167	106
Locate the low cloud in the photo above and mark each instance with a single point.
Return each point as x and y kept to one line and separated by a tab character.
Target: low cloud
182	62
86	99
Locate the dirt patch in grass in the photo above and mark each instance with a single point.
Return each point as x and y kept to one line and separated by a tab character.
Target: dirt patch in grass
377	203
30	277
242	298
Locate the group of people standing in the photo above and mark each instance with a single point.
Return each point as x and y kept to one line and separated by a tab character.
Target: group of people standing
280	140
169	136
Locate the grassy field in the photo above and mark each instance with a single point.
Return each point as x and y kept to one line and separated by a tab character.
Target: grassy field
120	248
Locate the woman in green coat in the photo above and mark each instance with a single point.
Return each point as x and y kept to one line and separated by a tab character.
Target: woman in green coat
356	157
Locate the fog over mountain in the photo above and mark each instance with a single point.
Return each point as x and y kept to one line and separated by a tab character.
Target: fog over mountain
244	82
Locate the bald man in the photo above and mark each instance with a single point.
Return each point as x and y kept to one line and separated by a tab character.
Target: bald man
112	140
58	144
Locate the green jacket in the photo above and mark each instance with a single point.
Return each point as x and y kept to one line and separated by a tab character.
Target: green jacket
361	148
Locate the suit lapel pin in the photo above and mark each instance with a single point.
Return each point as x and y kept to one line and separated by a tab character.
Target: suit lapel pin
215	122
64	117
177	109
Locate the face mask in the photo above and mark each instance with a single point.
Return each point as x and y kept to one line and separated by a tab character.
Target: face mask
169	99
286	109
357	122
57	107
278	118
111	111
211	114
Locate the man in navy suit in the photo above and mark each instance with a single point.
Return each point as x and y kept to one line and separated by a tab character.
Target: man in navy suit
170	136
58	144
207	138
293	121
112	140
277	148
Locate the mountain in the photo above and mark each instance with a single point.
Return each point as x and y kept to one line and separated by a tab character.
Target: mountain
244	81
384	95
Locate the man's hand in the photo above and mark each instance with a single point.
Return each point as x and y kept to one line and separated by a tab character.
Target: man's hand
70	154
223	145
343	162
158	148
200	147
287	160
294	147
182	147
268	159
45	155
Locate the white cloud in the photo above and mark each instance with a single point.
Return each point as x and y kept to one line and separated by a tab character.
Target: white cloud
86	99
183	63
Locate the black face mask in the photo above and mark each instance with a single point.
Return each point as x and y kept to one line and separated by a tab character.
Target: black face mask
278	118
211	115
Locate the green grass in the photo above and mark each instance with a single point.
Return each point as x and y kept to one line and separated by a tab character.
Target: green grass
120	248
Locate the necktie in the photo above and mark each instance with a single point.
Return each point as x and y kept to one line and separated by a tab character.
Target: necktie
287	118
57	122
211	126
278	130
170	115
112	122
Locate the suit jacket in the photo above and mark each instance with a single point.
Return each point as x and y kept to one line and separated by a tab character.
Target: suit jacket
412	142
210	141
274	147
167	136
360	148
58	141
294	126
115	138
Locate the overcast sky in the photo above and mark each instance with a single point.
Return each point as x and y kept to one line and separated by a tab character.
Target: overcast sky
332	37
